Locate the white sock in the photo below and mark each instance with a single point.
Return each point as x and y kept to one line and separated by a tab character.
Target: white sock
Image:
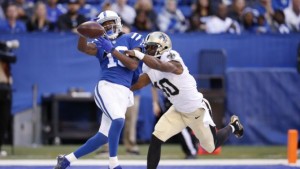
233	129
113	162
71	157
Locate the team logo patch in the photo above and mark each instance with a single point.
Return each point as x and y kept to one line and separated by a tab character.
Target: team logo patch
171	55
163	38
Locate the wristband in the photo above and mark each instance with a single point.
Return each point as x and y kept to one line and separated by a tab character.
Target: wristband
139	54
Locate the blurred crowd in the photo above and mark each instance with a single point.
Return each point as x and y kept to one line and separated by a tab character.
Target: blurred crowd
170	16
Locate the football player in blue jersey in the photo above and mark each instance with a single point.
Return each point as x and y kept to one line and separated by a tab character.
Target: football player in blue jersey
112	93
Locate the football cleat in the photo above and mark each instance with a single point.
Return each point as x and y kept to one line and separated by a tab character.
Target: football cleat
238	127
191	157
62	162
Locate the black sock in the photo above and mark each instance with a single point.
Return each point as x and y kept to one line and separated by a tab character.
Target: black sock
154	151
222	135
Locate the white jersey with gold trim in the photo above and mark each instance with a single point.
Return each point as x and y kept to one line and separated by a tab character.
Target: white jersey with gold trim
181	89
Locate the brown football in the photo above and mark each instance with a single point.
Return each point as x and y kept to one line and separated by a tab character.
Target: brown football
91	29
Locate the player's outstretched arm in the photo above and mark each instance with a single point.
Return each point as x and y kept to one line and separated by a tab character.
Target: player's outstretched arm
154	63
130	63
143	81
85	47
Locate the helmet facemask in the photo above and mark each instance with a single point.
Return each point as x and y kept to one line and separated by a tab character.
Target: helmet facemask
152	49
111	30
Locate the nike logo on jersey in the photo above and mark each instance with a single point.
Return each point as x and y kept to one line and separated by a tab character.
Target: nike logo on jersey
197	117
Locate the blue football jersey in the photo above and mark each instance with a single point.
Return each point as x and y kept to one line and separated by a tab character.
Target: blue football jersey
112	69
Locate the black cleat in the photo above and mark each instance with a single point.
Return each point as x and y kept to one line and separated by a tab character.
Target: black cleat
238	127
191	157
62	162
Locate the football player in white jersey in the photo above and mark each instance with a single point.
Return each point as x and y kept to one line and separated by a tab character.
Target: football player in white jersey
165	69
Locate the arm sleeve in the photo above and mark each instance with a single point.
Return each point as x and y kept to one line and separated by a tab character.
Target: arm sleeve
171	55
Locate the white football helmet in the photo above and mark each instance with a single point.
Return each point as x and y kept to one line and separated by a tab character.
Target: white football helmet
114	29
156	43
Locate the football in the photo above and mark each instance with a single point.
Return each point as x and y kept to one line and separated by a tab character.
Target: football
91	29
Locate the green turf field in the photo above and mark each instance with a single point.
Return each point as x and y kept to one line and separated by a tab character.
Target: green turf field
169	151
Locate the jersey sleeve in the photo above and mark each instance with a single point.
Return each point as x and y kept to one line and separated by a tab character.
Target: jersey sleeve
171	55
137	73
136	40
145	68
149	72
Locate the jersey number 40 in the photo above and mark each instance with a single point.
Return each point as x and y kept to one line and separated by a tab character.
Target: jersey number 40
168	88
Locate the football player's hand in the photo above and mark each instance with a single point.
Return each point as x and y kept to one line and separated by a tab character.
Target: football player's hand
106	44
135	53
129	53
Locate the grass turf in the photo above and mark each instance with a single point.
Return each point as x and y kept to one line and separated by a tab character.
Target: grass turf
169	151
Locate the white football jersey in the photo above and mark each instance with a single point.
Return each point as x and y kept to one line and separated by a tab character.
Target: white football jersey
181	89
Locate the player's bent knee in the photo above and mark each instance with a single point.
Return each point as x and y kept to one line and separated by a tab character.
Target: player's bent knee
160	135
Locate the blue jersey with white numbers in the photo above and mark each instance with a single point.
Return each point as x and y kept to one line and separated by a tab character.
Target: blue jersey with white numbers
112	69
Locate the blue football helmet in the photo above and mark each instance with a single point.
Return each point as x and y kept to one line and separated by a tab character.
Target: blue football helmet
113	30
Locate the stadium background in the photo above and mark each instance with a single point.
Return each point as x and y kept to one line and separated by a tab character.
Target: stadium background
262	82
261	85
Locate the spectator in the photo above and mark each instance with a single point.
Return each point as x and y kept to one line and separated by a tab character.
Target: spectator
236	10
202	8
201	12
146	6
54	10
249	20
25	9
262	25
292	16
280	4
12	24
171	19
221	23
279	25
106	5
87	10
70	20
264	7
39	21
126	12
145	19
142	22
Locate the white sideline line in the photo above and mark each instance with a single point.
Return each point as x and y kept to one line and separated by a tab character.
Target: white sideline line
218	162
